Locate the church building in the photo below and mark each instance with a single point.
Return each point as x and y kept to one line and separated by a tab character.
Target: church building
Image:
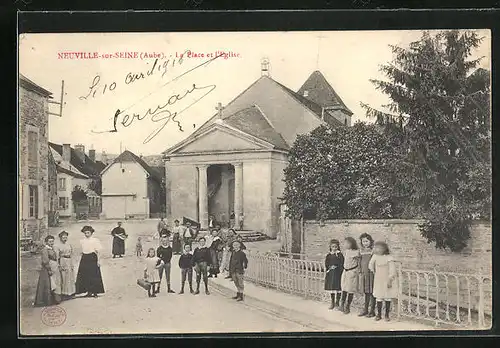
234	162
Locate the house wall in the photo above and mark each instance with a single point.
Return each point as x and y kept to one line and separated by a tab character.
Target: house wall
278	164
125	178
183	195
33	115
71	182
257	192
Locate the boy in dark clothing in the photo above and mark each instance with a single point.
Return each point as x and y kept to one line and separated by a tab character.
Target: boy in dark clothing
201	261
186	266
237	266
164	252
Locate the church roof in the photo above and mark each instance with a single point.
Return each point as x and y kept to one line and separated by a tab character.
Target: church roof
321	92
252	121
269	111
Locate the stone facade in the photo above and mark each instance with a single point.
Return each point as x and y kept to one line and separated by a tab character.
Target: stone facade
406	244
33	160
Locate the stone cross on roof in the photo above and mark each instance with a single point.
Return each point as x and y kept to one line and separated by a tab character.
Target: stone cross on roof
219	109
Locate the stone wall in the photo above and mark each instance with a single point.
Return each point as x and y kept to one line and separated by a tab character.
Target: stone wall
405	243
33	116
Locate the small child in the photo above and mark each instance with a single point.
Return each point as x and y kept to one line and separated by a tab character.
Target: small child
334	262
151	274
385	286
138	247
349	281
186	266
366	276
237	266
201	261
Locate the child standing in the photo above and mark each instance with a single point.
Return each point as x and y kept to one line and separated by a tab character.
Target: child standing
138	247
366	276
385	286
186	266
349	281
334	262
164	252
153	263
201	261
237	266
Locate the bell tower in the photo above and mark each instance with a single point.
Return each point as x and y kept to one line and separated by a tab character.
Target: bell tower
264	67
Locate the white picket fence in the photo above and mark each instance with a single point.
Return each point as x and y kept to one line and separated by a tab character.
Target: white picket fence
440	297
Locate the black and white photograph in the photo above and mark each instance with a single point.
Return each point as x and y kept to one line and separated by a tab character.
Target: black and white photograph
254	182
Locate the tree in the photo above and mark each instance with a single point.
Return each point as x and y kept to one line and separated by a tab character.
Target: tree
78	195
440	103
340	173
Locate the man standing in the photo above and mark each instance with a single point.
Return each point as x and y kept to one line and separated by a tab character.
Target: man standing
119	237
232	220
161	228
177	232
230	238
164	252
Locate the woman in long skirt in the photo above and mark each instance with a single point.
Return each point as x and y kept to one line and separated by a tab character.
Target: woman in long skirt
66	266
89	279
49	281
215	247
334	262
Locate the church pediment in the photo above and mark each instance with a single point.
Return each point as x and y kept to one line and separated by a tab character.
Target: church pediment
220	139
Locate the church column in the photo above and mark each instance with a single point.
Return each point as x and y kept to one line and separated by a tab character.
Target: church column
203	196
238	192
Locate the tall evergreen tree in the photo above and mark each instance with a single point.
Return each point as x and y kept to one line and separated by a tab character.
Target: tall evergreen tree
440	101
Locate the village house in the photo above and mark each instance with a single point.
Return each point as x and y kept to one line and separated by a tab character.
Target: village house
35	194
132	189
77	170
235	161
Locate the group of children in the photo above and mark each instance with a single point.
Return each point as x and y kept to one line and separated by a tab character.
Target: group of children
203	259
369	270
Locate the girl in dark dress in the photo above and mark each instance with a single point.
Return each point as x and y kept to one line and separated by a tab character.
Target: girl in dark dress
89	279
366	276
48	289
334	262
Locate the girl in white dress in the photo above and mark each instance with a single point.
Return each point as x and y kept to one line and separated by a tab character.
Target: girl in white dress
385	284
151	271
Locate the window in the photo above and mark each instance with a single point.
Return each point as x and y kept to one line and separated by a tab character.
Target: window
345	121
33	210
62	184
32	148
63	203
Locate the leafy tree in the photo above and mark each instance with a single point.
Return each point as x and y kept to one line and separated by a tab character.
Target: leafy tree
440	102
78	195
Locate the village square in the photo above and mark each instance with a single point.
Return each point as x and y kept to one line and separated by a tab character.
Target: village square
280	212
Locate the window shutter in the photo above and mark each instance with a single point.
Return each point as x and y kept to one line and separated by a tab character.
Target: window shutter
25	201
41	209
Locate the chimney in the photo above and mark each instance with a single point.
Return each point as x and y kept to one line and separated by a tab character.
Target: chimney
104	157
92	155
80	151
66	153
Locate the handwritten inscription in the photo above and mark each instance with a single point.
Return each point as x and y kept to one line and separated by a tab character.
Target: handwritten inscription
159	67
159	113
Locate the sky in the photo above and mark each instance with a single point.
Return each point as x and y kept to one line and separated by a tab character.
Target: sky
348	60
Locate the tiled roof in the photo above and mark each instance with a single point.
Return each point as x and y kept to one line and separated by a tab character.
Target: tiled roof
321	92
32	86
253	122
128	156
74	174
89	167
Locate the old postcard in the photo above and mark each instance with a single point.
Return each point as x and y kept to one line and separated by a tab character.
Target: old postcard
229	182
